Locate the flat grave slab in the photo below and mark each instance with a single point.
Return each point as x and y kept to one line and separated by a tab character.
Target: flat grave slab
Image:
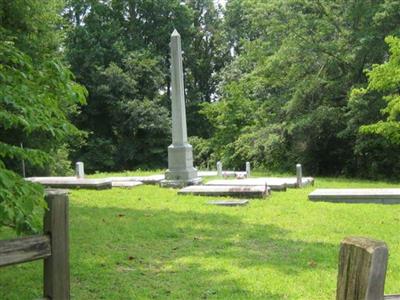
382	196
229	190
291	182
233	174
272	184
229	203
275	183
72	182
207	173
126	184
151	179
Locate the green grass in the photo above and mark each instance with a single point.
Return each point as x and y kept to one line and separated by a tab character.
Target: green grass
150	243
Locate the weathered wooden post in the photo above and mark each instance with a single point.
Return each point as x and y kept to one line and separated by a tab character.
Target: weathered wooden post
56	266
362	269
299	175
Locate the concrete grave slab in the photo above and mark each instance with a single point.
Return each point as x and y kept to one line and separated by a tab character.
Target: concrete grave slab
272	184
207	173
291	182
126	184
229	203
233	191
151	179
381	196
72	182
227	174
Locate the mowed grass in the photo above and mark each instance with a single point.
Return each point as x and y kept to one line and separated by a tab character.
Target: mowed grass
150	243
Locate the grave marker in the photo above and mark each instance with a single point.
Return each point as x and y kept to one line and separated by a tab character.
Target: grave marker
219	168
79	170
180	155
299	175
247	169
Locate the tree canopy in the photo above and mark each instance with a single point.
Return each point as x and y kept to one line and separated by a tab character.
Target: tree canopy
37	96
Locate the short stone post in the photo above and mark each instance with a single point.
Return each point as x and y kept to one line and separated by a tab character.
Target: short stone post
362	269
299	175
56	266
79	170
219	168
247	169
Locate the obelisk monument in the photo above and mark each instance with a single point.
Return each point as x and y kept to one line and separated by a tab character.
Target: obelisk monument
180	155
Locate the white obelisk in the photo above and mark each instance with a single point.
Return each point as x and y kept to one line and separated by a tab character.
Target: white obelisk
180	155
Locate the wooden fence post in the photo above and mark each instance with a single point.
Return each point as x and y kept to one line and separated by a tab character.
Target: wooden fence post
362	269
56	267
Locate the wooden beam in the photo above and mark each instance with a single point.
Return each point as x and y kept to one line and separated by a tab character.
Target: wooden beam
24	249
56	267
362	269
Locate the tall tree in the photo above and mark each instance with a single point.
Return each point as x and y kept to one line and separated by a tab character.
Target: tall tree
104	38
37	96
296	63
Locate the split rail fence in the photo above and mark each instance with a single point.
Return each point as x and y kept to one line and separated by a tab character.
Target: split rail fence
52	246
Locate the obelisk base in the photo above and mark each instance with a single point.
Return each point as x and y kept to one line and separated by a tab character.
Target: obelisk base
181	171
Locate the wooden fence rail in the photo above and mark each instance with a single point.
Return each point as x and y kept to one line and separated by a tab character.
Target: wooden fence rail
52	246
362	270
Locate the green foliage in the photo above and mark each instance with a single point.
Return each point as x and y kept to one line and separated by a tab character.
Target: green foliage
37	96
21	202
285	95
385	79
120	51
203	158
131	125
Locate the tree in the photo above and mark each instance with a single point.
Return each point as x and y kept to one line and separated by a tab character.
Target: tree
385	79
37	96
103	37
296	62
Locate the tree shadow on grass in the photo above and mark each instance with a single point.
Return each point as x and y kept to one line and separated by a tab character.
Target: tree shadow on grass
163	253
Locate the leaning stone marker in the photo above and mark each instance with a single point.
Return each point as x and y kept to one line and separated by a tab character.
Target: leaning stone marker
180	156
362	269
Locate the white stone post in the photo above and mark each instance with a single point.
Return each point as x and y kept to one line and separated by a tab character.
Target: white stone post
180	155
299	175
247	169
219	168
79	170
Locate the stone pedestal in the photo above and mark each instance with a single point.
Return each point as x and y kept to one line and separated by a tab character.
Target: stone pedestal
181	171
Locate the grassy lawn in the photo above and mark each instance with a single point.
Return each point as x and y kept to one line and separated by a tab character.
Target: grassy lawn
150	243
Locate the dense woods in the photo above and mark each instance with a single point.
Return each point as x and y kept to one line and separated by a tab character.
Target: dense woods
270	82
